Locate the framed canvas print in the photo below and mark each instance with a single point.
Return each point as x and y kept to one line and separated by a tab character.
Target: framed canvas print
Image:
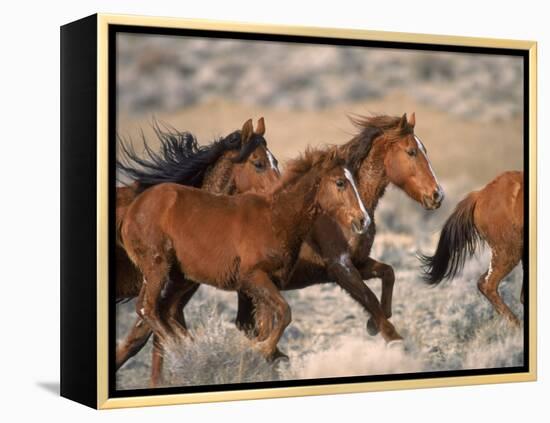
262	211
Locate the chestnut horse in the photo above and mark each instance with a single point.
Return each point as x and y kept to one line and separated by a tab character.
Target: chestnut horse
385	151
237	163
493	214
247	243
234	164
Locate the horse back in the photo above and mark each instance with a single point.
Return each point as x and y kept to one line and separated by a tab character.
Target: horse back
498	211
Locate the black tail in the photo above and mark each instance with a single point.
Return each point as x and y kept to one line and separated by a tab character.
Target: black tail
458	241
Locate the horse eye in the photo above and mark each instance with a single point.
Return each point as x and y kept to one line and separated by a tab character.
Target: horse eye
340	183
412	152
259	165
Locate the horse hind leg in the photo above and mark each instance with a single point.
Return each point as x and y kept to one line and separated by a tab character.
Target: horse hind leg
501	265
155	274
134	341
157	362
175	295
256	322
264	322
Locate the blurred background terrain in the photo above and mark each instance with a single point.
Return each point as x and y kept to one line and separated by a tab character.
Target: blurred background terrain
469	115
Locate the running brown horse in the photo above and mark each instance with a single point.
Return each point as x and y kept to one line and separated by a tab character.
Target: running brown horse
493	214
237	163
385	151
179	236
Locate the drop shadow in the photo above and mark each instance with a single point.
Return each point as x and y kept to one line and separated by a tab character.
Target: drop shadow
51	387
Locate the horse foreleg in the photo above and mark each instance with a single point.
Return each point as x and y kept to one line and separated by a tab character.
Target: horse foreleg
254	321
246	319
349	278
264	322
258	321
264	292
501	265
304	274
376	269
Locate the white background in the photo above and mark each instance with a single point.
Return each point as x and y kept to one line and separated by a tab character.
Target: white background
29	166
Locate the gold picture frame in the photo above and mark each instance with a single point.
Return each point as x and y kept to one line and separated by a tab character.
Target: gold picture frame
98	26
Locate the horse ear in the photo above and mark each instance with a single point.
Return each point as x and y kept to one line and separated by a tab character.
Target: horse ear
403	121
247	131
412	120
260	127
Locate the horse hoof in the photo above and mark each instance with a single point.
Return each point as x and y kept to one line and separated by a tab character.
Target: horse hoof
395	343
515	323
278	356
372	328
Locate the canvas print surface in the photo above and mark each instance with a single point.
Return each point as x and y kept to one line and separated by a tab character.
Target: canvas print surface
368	220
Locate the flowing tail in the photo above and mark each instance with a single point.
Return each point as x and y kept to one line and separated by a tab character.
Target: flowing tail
458	240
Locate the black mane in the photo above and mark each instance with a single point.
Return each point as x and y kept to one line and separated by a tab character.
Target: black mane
360	146
181	159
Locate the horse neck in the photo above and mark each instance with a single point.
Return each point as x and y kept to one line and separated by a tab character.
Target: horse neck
219	177
372	178
294	209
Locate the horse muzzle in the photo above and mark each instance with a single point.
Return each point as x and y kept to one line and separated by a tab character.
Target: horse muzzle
360	226
433	201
